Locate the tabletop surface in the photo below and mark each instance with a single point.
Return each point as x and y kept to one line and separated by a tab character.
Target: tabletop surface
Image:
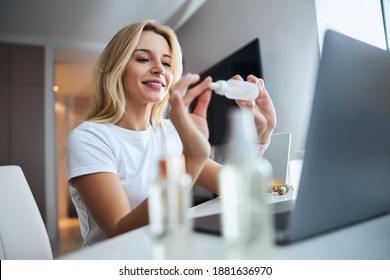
367	240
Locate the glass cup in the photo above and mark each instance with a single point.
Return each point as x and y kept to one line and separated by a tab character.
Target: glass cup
295	169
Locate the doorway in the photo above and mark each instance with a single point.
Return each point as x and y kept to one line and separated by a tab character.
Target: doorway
73	89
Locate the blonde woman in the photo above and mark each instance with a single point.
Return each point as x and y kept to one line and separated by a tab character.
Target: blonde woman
112	156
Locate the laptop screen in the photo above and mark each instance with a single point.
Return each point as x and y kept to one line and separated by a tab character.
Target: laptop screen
345	176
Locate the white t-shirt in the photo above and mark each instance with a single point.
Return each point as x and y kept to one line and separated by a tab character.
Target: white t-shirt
132	155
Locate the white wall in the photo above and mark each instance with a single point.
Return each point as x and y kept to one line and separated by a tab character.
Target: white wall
289	50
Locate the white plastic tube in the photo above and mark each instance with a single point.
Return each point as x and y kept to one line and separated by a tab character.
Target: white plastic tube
236	89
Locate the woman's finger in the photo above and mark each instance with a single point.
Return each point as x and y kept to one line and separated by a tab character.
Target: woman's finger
237	77
202	104
185	82
197	90
177	110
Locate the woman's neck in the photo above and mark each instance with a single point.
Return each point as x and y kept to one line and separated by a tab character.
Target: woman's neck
135	118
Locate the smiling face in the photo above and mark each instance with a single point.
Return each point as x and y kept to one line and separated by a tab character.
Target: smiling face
148	75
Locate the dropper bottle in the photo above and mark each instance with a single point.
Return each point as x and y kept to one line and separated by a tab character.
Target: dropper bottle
235	89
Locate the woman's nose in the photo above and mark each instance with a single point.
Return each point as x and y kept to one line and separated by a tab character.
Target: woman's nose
158	68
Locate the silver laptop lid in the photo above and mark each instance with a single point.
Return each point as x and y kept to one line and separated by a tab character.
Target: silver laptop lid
346	173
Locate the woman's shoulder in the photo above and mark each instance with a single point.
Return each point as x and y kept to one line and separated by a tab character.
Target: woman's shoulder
89	129
166	124
91	126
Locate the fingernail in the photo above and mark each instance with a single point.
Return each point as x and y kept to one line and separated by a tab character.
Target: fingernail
261	84
192	75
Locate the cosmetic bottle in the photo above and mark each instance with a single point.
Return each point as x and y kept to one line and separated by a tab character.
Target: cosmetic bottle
169	202
246	222
235	89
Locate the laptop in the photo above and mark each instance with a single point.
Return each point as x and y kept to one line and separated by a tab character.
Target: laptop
346	171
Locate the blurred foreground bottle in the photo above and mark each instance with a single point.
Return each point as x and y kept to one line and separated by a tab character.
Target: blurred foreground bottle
243	180
169	202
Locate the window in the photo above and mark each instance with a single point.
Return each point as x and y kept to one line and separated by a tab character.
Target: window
360	19
386	20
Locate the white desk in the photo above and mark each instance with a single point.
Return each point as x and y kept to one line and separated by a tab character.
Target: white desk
368	240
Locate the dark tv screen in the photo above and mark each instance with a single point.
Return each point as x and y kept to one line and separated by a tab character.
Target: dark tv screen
244	61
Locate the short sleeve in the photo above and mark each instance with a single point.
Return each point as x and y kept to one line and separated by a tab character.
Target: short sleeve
88	151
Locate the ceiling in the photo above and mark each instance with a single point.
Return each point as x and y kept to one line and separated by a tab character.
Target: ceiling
77	27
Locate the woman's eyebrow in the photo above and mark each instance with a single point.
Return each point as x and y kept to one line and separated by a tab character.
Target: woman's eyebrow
149	52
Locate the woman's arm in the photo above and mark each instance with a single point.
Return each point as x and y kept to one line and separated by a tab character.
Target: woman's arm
208	177
106	201
101	191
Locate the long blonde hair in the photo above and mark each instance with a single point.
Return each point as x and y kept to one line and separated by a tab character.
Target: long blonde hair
108	101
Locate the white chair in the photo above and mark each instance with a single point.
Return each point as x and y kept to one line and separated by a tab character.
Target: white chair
22	232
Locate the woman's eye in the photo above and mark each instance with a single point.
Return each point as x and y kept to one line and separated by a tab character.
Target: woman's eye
166	64
142	60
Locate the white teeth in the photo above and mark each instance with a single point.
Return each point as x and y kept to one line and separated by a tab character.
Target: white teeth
154	83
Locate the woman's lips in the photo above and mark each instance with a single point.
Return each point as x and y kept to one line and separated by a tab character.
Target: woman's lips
155	84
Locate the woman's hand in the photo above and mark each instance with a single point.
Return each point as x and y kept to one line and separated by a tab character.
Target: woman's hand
192	127
262	108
